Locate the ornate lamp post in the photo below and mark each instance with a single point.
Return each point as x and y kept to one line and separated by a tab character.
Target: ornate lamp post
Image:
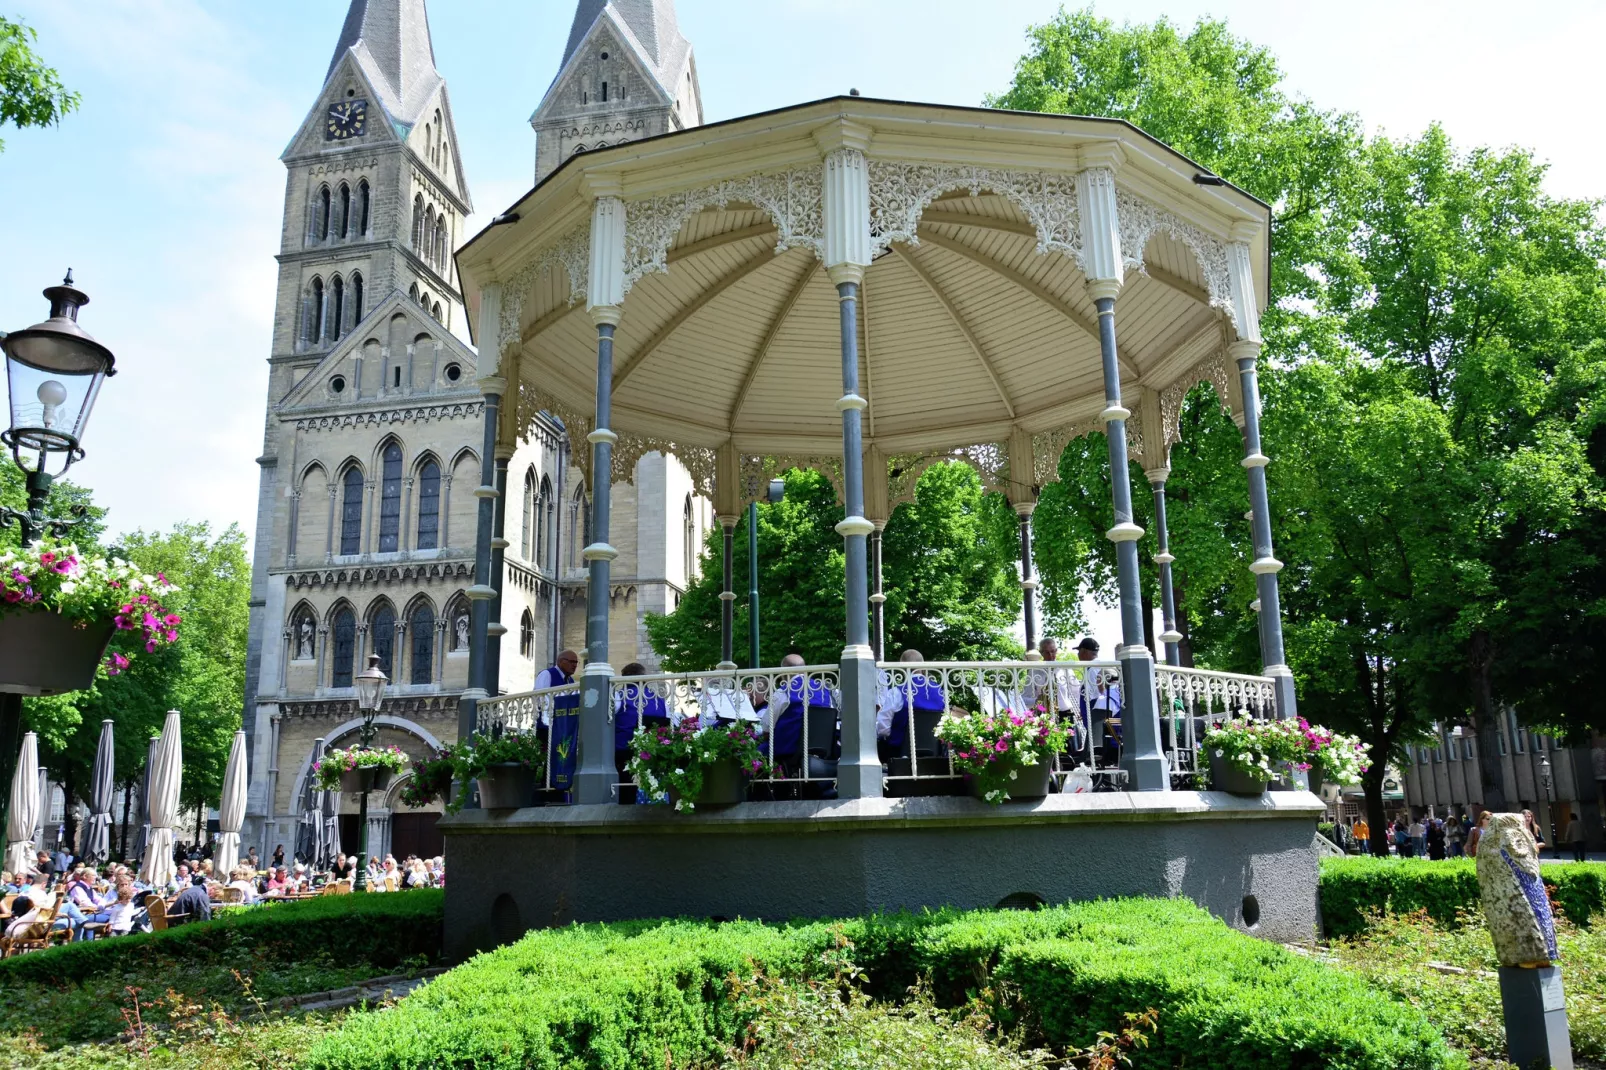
370	685
774	493
53	371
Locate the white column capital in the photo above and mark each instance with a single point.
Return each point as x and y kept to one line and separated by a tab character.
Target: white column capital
607	262
1103	289
727	521
843	134
1124	533
1101	226
490	329
1024	510
612	315
1244	350
1157	476
492	384
1241	282
847	212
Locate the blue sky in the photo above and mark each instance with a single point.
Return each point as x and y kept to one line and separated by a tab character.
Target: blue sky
164	192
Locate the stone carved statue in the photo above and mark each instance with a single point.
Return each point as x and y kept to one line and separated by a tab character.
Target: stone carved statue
1514	899
304	640
461	625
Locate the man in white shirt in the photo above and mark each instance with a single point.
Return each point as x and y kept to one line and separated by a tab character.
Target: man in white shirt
892	718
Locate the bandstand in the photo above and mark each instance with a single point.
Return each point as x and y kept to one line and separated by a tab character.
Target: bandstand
867	288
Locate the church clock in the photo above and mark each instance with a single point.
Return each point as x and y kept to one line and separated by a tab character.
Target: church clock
347	119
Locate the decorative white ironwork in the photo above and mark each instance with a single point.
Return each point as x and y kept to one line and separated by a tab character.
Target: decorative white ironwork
700	462
1048	445
1193	700
749	695
901	192
1067	690
1139	219
533	401
572	253
756	473
989	459
1213	370
531	711
793	200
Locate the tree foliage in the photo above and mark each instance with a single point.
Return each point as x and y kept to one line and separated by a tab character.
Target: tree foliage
948	567
31	93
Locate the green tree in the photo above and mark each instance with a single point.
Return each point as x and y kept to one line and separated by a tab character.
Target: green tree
948	567
31	93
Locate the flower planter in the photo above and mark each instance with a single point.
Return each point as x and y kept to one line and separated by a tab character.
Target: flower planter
1031	782
365	778
44	653
1224	776
723	785
508	786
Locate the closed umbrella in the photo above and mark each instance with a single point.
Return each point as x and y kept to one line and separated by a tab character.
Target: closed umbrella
167	771
331	829
309	844
24	814
231	810
145	802
44	810
102	785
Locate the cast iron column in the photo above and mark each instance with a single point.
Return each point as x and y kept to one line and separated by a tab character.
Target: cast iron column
1028	578
595	776
481	594
1265	566
495	629
752	585
727	597
1141	757
1168	599
878	598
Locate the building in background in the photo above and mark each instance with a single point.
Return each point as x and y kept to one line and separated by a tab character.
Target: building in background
371	461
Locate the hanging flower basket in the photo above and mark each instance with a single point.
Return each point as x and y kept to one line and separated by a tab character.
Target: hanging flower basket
359	769
43	653
60	610
695	766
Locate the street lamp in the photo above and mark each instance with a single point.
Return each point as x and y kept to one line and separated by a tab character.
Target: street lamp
774	493
54	371
370	685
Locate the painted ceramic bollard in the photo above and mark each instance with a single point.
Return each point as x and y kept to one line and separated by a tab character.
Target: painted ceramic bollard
1524	932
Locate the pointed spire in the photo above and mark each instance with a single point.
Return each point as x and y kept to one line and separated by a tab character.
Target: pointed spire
652	21
391	41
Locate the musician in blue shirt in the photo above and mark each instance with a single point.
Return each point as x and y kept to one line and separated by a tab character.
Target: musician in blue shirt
892	718
633	706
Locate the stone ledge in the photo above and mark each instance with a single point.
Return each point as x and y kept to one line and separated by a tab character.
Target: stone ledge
856	814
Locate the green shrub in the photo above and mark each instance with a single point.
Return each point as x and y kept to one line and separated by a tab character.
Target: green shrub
1354	886
383	931
650	994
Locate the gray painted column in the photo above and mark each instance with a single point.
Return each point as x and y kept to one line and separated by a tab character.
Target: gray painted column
878	598
495	629
1265	566
1141	757
595	776
480	594
727	595
1168	599
1028	578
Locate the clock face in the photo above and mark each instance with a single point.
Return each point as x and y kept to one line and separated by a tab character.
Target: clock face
347	119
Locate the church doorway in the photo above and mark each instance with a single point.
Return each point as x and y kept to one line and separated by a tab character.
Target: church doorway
415	834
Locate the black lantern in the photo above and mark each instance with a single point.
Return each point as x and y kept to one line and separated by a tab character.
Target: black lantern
54	370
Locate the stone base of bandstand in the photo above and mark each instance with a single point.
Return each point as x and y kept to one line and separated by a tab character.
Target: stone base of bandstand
1250	861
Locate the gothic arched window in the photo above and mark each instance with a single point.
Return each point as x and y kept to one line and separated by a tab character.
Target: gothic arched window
429	506
356	298
345	210
337	322
689	526
364	200
390	499
345	647
527	540
382	630
315	314
423	652
351	512
323	214
526	635
436	312
412	292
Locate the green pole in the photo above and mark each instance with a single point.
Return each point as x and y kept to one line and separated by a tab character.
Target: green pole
752	584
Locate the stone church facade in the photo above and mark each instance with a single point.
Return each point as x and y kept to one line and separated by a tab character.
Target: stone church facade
371	467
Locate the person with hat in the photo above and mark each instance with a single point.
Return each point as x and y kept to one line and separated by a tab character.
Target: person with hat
1101	704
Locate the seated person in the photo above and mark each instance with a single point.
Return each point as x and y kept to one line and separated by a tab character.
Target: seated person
633	705
24	913
124	913
192	903
82	904
241	882
892	717
782	716
278	882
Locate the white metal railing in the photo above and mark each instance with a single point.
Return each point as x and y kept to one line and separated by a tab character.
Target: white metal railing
1193	700
762	697
1087	694
531	711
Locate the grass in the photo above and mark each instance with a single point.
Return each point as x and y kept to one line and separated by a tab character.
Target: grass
1399	955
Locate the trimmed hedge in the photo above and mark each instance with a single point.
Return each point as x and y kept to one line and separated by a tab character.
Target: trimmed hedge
385	931
1351	887
646	994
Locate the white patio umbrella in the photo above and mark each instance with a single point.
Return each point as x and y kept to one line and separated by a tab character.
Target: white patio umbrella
309	836
166	773
102	786
144	798
231	809
24	814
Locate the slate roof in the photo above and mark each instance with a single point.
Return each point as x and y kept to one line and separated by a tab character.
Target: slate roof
390	40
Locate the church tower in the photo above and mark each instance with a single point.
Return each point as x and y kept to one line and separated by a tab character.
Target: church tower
364	542
627	73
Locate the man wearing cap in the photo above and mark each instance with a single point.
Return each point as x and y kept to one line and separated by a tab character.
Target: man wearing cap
1101	702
